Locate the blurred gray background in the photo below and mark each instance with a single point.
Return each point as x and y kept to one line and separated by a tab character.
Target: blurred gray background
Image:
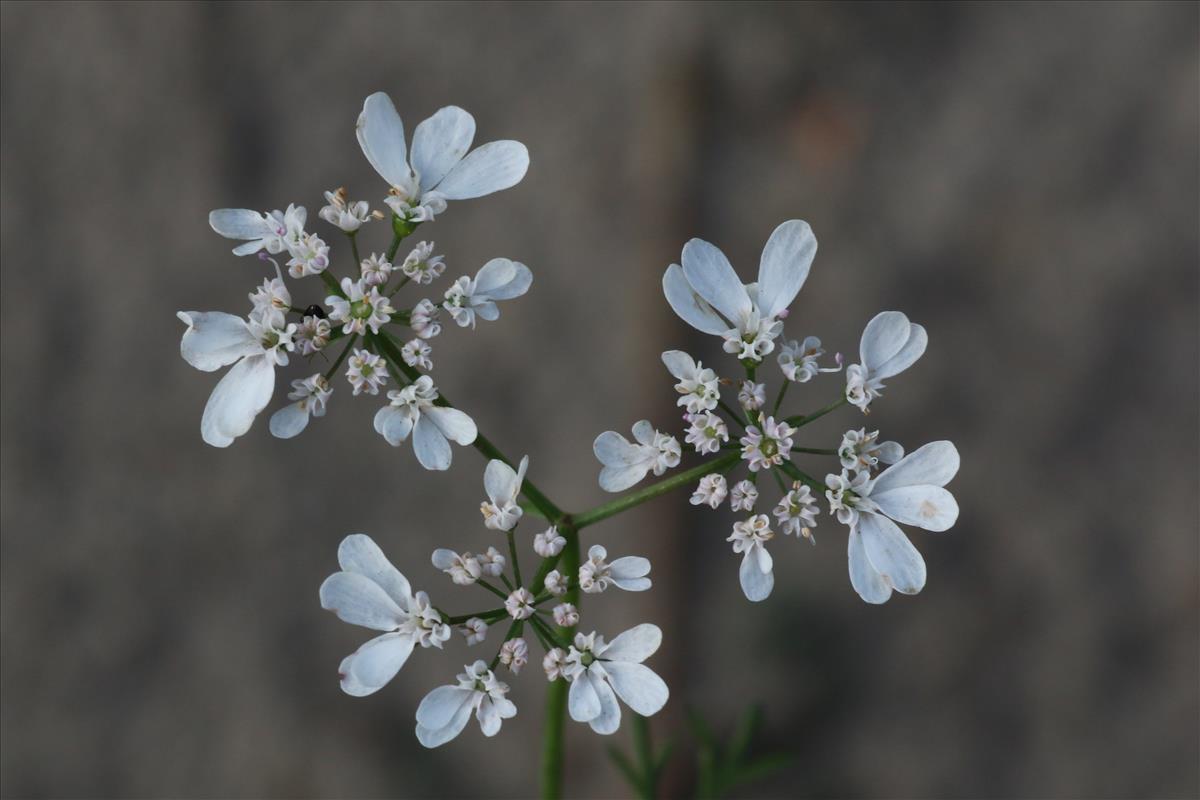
1021	179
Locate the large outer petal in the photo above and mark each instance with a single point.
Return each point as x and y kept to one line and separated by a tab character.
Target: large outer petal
755	574
455	425
869	584
582	701
629	573
358	600
690	306
503	279
891	553
929	507
370	668
914	348
679	364
289	421
500	481
393	424
430	445
439	143
215	339
784	266
620	478
435	737
712	277
634	645
639	686
486	169
883	338
359	554
381	136
609	719
442	705
238	223
237	400
934	464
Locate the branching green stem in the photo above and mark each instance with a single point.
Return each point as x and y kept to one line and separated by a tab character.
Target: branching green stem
801	421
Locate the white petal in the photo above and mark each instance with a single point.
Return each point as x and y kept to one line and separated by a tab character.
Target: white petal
489	717
436	737
633	584
350	684
503	279
359	554
932	465
679	364
516	286
393	425
289	421
869	584
487	309
643	431
639	686
440	142
756	584
582	702
443	559
455	425
890	452
237	399
634	645
609	719
712	277
690	306
360	601
442	705
215	339
929	507
630	567
891	553
239	223
487	169
914	348
375	663
381	136
618	478
883	337
430	445
611	448
784	266
500	481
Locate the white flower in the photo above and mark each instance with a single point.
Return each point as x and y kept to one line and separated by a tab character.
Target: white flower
628	573
416	354
555	583
707	432
446	710
752	396
273	295
549	543
862	450
799	360
503	485
310	256
708	295
711	491
311	394
519	604
796	512
366	372
750	538
492	562
272	232
768	447
743	497
626	463
463	569
514	654
566	615
313	335
439	167
349	216
890	344
376	270
553	663
600	673
412	410
422	265
213	340
424	320
370	592
498	279
474	631
697	384
846	495
362	307
910	491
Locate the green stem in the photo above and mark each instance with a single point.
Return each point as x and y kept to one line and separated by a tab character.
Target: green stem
645	755
779	398
613	507
801	421
341	357
556	694
816	451
512	552
492	589
354	250
332	283
795	473
737	418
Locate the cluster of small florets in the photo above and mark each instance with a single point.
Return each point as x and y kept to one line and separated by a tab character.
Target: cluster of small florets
875	486
380	342
370	592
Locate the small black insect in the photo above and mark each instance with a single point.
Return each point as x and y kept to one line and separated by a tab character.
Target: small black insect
315	311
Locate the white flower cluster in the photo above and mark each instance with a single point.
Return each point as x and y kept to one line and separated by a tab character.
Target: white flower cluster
360	313
370	592
707	293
